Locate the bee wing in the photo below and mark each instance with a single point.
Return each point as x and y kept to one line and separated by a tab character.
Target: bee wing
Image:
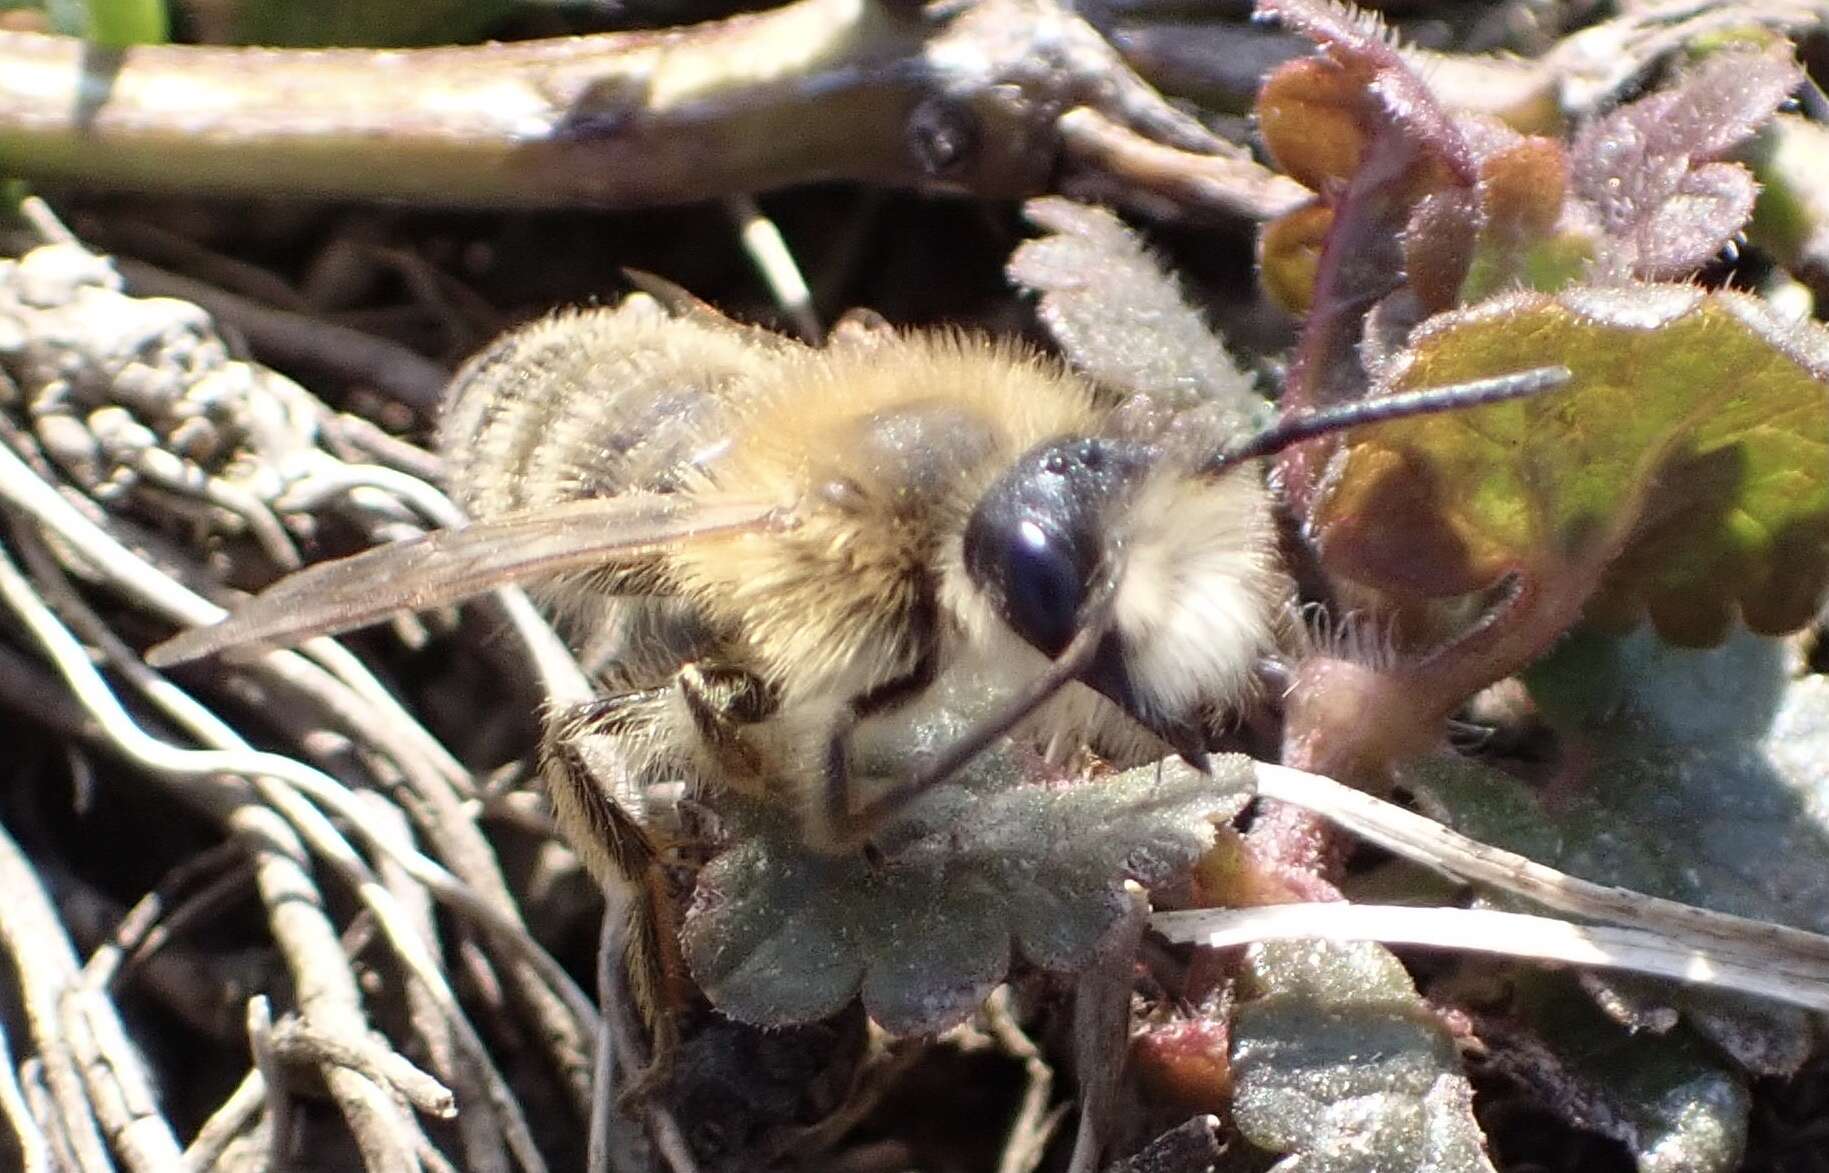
448	566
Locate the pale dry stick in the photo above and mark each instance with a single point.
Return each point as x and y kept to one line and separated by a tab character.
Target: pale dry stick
275	1094
42	1104
769	252
562	1019
885	1060
167	470
162	246
358	436
28	1138
958	97
159	915
448	819
321	665
1122	165
44	966
119	1084
148	584
326	988
298	340
479	1131
294	1040
1427	842
560	675
140	580
1035	1123
230	1119
433	1160
269	775
1510	934
380	710
323	836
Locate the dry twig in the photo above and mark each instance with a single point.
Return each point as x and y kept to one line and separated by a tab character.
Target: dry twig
959	97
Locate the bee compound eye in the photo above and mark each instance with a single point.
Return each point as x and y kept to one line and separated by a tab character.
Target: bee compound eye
1038	536
1043	587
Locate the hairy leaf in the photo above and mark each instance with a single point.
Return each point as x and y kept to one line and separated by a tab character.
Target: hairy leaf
1665	1096
1120	318
1702	776
1705	779
1685	460
1649	168
1358	125
1338	1063
1002	863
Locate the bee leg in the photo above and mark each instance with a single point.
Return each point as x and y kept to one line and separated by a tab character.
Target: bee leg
844	826
623	859
720	701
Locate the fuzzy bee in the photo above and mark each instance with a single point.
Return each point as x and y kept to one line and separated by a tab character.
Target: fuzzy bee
786	555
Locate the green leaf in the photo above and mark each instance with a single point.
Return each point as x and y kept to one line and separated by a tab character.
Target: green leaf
1001	863
1701	776
112	23
1707	782
1120	319
1338	1063
1688	460
1666	1097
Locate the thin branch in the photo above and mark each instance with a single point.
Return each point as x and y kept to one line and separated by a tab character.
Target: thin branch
962	97
230	1119
327	989
294	1040
34	1150
45	968
1035	1121
769	252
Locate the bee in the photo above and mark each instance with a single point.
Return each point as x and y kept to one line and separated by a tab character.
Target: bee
787	555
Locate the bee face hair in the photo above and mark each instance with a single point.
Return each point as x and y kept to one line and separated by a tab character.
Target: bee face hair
1185	557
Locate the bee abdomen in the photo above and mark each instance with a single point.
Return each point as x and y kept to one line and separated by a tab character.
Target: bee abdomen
587	403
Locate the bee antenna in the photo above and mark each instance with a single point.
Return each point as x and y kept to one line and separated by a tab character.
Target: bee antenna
1310	424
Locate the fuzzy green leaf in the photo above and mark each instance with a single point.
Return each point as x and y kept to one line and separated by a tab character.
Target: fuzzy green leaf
1666	1097
1338	1063
1707	783
1121	320
1688	458
1002	862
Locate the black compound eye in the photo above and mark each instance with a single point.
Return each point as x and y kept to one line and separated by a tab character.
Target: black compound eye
1043	587
1038	536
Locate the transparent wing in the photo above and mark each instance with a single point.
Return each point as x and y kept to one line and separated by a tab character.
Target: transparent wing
448	566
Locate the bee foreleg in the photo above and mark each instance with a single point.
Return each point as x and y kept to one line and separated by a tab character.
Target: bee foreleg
623	859
842	824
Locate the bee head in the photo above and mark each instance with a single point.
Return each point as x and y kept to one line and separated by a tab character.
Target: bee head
1051	545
